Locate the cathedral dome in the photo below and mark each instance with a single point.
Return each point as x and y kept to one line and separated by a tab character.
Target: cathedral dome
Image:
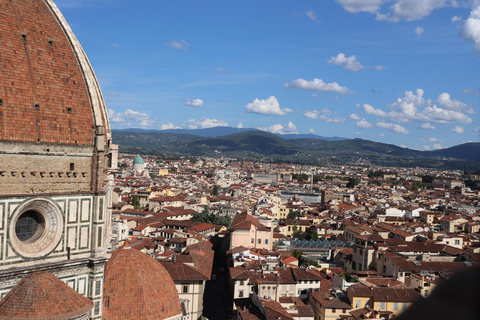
138	160
42	296
48	91
137	286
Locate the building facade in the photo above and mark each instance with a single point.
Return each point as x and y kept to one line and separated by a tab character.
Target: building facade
55	138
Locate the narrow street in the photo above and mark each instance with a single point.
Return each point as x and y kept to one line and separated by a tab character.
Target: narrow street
217	291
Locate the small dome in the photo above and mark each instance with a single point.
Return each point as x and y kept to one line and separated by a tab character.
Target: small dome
42	296
137	286
138	160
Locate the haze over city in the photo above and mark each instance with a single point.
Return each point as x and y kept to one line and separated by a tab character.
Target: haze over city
401	72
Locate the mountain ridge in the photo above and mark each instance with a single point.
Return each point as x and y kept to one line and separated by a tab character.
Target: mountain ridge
223	131
265	146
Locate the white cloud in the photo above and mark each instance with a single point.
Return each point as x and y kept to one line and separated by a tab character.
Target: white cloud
427	126
456	19
477	129
289	128
140	119
129	114
413	107
356	133
419	31
381	135
376	112
354	117
178	45
268	106
439	115
349	63
380	68
322	115
458	129
354	6
410	10
446	102
471	28
316	95
146	123
318	85
394	127
364	124
168	126
222	69
426	147
311	14
437	146
433	140
194	102
240	125
471	91
206	123
311	131
335	120
395	10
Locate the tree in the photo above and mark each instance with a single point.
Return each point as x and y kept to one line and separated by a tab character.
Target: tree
300	235
427	179
352	182
297	254
313	235
208	217
224	221
215	190
295	225
293	215
135	202
204	216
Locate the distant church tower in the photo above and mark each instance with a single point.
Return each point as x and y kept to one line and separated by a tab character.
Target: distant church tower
56	149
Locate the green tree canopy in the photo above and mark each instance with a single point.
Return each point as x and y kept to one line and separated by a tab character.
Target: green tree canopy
215	190
208	217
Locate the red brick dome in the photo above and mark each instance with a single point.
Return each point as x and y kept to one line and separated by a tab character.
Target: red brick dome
42	296
48	91
137	286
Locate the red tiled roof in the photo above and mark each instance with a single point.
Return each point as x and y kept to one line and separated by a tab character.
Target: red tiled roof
328	300
385	293
42	296
138	287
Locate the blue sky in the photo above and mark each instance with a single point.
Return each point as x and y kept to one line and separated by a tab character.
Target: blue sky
405	72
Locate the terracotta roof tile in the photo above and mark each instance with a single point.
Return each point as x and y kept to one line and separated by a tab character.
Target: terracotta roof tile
42	296
136	286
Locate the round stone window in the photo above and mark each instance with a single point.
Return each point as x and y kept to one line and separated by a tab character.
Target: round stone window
36	228
29	226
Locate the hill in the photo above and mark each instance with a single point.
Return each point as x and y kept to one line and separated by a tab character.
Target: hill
223	131
264	146
467	151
